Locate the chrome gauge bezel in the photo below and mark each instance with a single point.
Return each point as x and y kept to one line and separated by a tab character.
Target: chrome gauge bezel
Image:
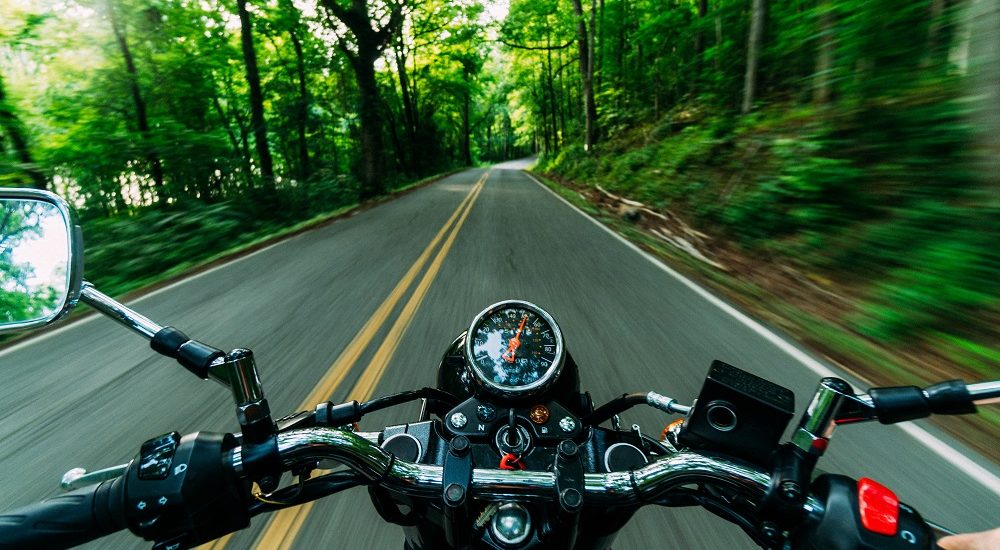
503	390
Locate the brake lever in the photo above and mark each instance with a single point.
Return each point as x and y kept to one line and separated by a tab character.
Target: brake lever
80	477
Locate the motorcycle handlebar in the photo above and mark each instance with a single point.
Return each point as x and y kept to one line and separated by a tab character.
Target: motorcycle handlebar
66	520
643	485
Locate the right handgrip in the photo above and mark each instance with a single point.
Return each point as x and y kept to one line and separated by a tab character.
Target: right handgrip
66	520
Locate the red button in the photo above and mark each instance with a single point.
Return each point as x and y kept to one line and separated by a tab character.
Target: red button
879	507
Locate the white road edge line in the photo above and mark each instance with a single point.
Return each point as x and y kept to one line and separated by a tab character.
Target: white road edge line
942	449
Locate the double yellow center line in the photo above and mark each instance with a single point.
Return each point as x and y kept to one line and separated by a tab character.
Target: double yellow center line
284	526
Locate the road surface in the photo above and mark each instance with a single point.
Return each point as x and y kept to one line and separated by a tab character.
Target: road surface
89	394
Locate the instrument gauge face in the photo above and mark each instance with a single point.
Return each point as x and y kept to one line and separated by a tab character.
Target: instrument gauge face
514	348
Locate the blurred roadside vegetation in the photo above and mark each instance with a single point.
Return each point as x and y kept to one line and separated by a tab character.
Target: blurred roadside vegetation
861	154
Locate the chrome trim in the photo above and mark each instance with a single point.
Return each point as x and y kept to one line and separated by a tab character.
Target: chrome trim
79	477
118	311
984	393
524	441
538	386
666	404
241	371
643	485
503	538
820	418
74	260
713	421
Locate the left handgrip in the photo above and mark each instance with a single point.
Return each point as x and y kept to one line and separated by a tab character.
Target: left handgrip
66	520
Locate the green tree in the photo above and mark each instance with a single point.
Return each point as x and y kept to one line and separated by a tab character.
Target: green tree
21	297
367	43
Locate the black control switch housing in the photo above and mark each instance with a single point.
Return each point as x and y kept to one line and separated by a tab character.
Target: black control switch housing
157	455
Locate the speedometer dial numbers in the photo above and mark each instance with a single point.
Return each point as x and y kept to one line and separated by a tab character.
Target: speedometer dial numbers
514	348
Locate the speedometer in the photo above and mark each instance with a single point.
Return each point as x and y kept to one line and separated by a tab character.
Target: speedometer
514	348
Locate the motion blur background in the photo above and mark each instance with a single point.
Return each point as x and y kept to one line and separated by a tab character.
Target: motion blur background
831	166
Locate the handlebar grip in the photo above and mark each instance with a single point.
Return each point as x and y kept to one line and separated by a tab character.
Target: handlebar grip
66	520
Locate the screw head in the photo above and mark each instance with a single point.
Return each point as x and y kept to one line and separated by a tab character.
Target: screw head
567	424
459	420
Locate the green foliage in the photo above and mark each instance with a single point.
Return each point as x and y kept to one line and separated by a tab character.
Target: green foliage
122	251
860	166
811	191
945	279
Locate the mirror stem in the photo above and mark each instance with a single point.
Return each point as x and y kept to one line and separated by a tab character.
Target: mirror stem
119	312
191	354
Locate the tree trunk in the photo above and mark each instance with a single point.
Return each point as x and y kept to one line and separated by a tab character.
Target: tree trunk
937	50
540	100
235	142
370	116
699	40
824	57
583	38
756	38
409	109
257	123
409	102
718	32
142	120
370	43
983	20
12	127
599	59
302	113
467	127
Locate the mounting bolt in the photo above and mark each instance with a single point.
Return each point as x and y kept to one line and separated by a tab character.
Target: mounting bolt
567	448
571	499
770	530
460	445
268	484
454	494
791	491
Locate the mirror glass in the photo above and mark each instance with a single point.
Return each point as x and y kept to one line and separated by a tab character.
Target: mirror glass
34	261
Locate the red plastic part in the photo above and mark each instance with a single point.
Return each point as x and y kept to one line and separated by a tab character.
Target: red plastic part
511	462
879	507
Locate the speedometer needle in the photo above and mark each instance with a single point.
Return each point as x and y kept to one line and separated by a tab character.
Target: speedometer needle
515	342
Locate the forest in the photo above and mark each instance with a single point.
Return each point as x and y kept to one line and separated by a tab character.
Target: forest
846	149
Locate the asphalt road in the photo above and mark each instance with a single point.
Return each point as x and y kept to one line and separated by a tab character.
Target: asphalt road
89	394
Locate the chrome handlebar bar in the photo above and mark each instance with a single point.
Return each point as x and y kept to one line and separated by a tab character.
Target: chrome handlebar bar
360	452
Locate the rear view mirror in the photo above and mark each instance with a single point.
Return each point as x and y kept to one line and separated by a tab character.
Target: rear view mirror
41	259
